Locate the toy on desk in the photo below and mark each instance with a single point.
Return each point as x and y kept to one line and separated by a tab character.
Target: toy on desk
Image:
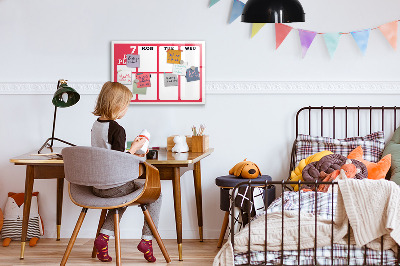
245	169
13	215
144	134
180	144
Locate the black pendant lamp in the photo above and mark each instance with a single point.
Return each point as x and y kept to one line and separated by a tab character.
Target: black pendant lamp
273	11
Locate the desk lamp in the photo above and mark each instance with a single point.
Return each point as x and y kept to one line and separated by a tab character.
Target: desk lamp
64	96
272	11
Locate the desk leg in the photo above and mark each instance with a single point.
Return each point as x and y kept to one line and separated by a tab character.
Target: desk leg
197	189
176	182
27	206
60	190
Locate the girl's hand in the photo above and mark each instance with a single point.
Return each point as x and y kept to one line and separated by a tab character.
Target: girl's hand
143	155
137	144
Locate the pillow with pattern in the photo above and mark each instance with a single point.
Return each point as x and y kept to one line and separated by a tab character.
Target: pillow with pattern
372	145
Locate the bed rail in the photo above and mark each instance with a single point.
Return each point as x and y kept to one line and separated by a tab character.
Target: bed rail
265	185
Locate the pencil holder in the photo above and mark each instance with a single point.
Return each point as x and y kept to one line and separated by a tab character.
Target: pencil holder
200	143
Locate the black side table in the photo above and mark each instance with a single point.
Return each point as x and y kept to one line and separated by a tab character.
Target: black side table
226	183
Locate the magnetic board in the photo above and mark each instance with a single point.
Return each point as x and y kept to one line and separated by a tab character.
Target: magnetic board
153	70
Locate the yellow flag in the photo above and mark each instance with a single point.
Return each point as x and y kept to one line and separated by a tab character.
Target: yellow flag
255	28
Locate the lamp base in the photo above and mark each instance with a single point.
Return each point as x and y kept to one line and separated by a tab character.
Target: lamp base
50	146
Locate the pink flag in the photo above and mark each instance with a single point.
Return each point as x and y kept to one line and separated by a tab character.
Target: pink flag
306	39
389	30
281	31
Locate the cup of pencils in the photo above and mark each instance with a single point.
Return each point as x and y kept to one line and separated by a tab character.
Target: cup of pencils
199	140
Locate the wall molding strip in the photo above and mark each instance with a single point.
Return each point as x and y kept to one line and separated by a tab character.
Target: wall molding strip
231	87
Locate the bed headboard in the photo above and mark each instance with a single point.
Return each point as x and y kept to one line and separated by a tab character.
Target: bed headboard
344	121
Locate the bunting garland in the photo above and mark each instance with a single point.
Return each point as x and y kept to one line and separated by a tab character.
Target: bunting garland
256	27
389	30
332	41
237	9
361	37
306	39
213	2
281	31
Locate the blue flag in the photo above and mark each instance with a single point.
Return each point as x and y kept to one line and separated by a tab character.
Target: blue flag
361	38
237	9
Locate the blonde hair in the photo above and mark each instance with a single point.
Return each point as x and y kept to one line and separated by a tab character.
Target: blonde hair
112	99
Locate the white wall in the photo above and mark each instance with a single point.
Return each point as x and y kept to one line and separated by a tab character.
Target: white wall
42	41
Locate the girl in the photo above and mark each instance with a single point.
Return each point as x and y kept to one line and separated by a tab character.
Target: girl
112	104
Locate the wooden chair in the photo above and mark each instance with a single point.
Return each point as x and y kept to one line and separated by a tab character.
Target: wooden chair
85	167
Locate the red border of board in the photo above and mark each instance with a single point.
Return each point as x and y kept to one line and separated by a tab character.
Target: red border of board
179	100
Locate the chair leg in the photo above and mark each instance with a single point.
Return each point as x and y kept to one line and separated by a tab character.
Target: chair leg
73	237
154	230
223	229
101	222
117	239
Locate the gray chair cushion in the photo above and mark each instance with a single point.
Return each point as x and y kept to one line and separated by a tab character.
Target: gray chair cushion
84	196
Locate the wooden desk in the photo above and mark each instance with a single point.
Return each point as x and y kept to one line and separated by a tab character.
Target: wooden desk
171	167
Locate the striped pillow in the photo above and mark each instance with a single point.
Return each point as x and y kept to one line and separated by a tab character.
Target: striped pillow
372	145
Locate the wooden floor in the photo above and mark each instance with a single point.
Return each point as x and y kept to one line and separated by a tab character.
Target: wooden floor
50	252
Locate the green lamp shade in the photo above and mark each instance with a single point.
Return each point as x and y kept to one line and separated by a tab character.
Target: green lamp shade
65	96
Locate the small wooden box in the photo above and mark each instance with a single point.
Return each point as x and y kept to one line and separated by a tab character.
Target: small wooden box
200	143
171	143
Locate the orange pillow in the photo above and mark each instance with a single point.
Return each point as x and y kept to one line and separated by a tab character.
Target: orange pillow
375	170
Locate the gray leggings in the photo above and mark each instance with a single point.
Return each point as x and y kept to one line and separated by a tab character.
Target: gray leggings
154	208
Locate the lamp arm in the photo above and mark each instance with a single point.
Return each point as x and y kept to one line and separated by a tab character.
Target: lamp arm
54	119
54	126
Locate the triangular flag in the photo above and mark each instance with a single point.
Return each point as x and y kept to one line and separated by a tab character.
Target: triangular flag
390	32
281	31
213	2
361	37
306	39
237	9
332	41
255	28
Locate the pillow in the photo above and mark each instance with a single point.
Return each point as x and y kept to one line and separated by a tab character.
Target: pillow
372	144
296	174
393	148
329	164
375	170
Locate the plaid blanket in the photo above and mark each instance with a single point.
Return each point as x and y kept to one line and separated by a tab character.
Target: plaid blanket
323	205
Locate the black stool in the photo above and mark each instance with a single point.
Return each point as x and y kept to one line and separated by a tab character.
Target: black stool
226	183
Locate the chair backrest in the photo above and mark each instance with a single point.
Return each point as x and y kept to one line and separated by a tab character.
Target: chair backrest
92	166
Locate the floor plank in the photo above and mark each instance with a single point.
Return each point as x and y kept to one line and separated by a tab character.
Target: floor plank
49	252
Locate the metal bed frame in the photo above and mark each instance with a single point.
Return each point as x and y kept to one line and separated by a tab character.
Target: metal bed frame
283	184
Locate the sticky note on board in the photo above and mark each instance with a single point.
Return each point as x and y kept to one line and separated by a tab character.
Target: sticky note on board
124	77
144	80
174	56
132	60
192	74
137	90
179	69
170	80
